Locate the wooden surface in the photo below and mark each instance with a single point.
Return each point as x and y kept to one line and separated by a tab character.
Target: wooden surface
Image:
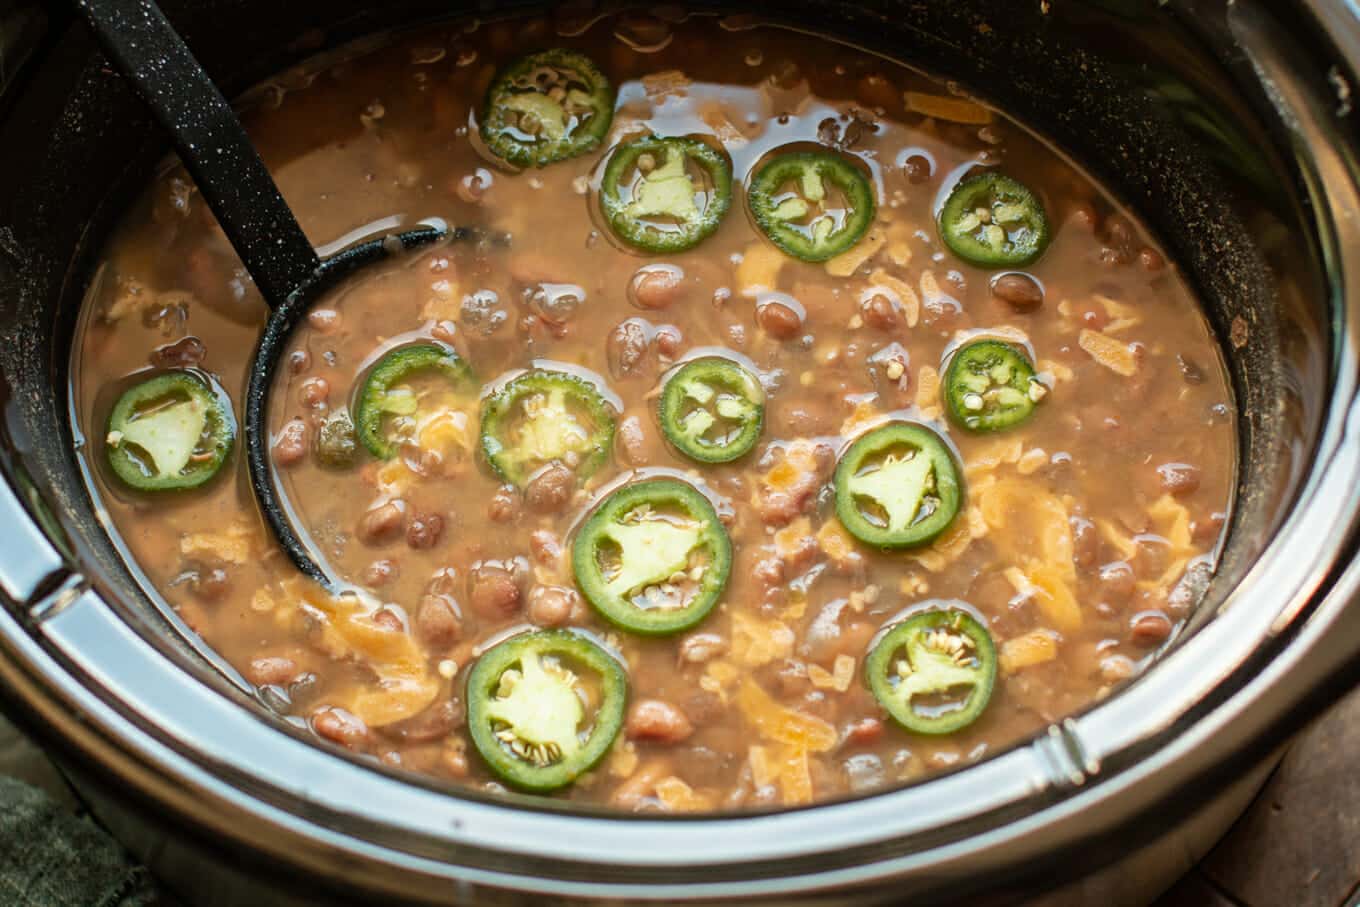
1299	843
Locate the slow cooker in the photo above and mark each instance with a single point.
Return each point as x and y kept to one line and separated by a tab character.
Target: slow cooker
1228	125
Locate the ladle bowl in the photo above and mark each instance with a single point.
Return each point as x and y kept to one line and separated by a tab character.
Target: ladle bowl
290	275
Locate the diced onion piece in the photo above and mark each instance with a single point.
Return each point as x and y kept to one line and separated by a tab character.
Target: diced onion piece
849	261
1114	354
900	235
1122	315
928	392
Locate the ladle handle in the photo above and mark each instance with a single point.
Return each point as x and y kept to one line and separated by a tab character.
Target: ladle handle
212	144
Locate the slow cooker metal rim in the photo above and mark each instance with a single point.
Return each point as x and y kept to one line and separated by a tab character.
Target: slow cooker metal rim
73	676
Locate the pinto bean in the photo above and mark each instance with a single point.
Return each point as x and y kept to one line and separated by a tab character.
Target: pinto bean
545	547
700	647
778	320
424	531
627	346
314	392
1179	478
1117	582
550	489
504	505
1206	530
1085	542
380	572
876	90
917	169
632	441
382	523
435	723
290	447
1020	291
1149	628
657	286
323	320
496	589
210	584
340	726
271	671
299	361
185	352
439	621
657	721
389	620
864	732
551	606
881	313
669	341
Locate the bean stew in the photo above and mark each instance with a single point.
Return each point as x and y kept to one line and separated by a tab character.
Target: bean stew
792	425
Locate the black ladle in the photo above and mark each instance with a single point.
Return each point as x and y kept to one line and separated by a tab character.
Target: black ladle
218	154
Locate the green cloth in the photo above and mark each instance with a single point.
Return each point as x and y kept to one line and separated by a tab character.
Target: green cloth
50	858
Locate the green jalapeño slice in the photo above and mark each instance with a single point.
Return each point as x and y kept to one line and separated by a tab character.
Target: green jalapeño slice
812	204
547	107
897	486
544	417
992	221
712	410
990	386
666	194
653	558
543	708
397	388
934	671
170	432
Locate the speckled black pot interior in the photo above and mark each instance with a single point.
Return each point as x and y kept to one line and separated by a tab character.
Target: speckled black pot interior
1157	100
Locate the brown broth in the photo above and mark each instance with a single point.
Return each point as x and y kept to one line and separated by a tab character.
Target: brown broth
386	136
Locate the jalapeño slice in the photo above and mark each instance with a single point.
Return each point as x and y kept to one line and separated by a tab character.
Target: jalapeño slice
542	417
897	486
934	671
990	386
386	392
544	707
992	221
653	558
652	199
712	410
170	432
547	107
812	204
